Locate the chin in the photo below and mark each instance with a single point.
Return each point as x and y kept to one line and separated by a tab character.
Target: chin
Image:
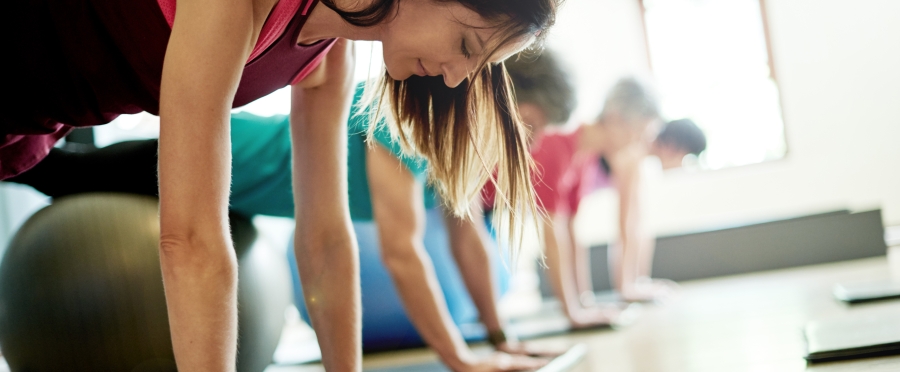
394	74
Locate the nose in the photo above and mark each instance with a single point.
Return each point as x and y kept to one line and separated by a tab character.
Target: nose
454	73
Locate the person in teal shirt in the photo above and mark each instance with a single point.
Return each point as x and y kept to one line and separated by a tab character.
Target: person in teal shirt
261	155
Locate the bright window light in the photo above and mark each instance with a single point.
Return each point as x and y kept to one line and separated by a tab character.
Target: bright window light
711	64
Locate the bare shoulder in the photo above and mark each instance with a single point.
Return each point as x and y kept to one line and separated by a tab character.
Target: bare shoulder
336	66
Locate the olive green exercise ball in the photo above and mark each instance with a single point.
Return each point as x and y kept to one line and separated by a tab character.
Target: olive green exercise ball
81	290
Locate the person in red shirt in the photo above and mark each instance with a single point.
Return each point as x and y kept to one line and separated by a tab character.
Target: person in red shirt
570	165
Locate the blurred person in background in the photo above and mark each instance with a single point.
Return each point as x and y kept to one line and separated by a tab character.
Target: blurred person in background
677	139
569	165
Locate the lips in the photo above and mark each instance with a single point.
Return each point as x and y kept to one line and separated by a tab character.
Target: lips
420	68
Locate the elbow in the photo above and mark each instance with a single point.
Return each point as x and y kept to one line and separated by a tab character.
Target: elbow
399	256
191	254
323	240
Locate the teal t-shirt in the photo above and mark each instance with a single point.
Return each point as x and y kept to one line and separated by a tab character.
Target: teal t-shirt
261	164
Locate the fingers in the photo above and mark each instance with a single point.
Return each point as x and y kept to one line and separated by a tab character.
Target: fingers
531	350
509	362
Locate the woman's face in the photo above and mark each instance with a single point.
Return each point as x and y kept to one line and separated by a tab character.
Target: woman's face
434	38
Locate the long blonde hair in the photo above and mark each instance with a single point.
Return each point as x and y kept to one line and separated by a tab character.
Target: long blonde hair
470	134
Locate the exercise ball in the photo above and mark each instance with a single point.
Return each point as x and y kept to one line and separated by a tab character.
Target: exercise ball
81	290
385	323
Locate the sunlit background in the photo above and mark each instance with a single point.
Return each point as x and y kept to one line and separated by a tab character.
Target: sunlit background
711	64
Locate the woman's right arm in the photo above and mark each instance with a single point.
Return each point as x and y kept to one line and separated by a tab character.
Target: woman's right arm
209	43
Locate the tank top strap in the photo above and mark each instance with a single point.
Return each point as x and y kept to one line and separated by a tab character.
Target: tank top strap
275	25
283	63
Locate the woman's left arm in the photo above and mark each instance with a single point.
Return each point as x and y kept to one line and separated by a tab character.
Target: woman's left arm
326	250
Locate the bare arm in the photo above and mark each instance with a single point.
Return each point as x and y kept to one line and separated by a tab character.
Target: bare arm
327	255
561	272
399	213
581	263
210	41
627	171
558	255
469	242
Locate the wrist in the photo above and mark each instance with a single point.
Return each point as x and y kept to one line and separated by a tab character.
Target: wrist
574	315
497	337
460	360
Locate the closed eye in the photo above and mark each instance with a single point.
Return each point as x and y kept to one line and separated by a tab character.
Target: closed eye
464	50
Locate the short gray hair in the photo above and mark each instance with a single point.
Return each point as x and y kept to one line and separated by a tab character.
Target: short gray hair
543	82
632	100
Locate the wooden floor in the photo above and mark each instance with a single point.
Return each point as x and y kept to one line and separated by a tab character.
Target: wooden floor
741	323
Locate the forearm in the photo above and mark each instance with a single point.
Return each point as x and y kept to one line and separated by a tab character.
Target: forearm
329	270
631	226
328	259
581	262
416	282
469	245
626	255
201	295
645	256
559	269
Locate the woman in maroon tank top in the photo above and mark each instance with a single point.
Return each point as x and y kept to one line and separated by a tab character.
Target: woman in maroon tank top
83	62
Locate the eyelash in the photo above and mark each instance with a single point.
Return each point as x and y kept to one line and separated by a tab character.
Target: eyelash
465	51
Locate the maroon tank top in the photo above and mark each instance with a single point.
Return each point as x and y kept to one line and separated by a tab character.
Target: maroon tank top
77	63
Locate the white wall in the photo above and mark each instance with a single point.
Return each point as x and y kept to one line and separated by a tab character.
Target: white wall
609	39
838	68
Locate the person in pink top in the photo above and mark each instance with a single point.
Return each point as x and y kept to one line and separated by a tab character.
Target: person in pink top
77	63
572	164
545	97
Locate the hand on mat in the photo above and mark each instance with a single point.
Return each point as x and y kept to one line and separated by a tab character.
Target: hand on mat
650	290
522	348
502	362
593	317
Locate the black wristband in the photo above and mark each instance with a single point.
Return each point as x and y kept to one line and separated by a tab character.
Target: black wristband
497	337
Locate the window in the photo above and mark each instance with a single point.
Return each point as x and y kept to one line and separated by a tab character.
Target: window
711	61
